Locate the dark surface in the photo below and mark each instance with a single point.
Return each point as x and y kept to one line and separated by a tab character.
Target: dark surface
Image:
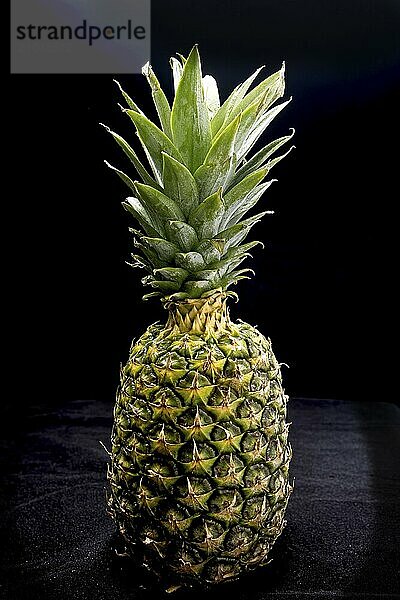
323	283
343	517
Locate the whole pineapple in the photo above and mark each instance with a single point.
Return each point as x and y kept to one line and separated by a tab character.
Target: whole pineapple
200	453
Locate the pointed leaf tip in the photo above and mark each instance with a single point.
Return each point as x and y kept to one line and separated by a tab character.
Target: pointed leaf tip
132	105
159	98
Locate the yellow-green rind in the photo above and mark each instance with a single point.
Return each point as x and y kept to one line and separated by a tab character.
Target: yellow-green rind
200	453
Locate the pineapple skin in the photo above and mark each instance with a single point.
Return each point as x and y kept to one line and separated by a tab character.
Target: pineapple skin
199	472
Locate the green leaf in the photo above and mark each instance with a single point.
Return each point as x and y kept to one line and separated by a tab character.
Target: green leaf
211	95
222	116
228	265
244	248
159	98
259	127
235	234
269	90
232	259
239	209
191	261
189	119
209	250
146	297
165	287
132	105
150	254
247	122
182	58
138	262
207	275
147	279
179	184
122	175
154	142
240	192
196	288
165	250
159	205
172	274
213	173
234	277
206	217
219	244
181	234
177	69
275	161
135	207
260	158
131	154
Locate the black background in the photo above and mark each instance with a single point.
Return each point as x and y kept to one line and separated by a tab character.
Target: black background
321	289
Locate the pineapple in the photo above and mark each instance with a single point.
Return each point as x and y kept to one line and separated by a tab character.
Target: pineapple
200	454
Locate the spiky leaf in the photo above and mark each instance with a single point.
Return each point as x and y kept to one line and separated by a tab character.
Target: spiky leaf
260	158
211	95
210	250
138	262
125	178
132	105
248	119
192	261
222	116
232	258
197	288
159	205
154	142
206	218
177	69
182	234
258	128
274	161
232	236
164	249
172	274
240	192
189	119
136	208
179	184
213	173
160	99
165	287
234	277
131	154
241	207
270	89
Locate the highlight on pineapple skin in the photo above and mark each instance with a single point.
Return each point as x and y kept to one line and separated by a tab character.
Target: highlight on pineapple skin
199	470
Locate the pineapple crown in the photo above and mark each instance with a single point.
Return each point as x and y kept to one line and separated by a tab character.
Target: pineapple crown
199	183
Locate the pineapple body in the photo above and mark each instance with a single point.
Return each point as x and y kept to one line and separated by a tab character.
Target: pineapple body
199	462
200	455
